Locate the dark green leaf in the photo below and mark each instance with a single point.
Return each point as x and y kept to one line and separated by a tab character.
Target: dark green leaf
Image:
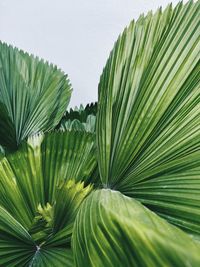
33	95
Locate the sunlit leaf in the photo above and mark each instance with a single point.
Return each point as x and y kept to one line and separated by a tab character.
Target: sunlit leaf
148	121
114	230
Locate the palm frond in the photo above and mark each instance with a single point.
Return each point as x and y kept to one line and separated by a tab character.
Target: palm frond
53	257
16	245
125	233
33	95
148	121
29	177
88	125
80	113
41	190
80	119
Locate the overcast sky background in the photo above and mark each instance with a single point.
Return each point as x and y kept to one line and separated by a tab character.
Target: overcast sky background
76	35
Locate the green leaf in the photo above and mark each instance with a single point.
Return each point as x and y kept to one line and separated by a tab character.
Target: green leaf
88	126
17	193
39	196
42	224
33	93
69	155
149	112
7	129
149	95
54	257
114	230
69	197
30	176
175	197
79	113
19	247
80	119
16	245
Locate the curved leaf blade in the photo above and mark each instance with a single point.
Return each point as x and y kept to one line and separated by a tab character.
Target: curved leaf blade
29	177
114	230
16	245
148	121
34	93
149	96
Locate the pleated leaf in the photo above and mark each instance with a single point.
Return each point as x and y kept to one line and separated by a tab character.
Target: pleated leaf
54	257
7	129
79	113
69	195
148	120
33	95
149	94
30	176
68	199
80	119
40	193
88	126
72	156
16	245
114	230
175	197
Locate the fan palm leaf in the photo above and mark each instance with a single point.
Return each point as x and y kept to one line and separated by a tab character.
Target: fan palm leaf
148	128
125	233
40	192
33	96
148	132
143	136
80	118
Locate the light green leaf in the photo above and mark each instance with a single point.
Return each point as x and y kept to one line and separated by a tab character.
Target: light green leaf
68	199
42	224
33	93
148	120
69	155
79	113
30	176
41	199
80	119
69	196
114	230
88	126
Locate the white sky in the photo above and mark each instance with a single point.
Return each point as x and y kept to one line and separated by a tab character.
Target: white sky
76	35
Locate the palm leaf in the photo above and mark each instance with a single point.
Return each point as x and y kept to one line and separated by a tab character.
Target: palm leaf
41	189
88	126
16	245
125	233
80	113
17	248
33	93
29	177
148	128
7	129
53	257
175	197
73	152
80	119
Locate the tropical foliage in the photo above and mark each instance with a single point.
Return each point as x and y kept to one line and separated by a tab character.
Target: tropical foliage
115	183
